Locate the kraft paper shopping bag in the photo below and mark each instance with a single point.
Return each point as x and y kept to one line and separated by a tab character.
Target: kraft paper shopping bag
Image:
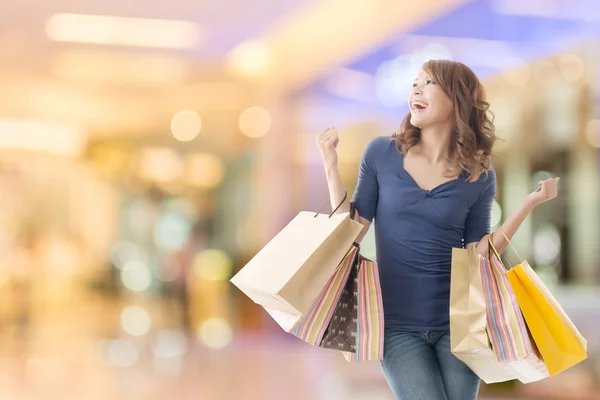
291	270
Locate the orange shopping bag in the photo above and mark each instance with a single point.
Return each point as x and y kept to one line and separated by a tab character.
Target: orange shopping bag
558	340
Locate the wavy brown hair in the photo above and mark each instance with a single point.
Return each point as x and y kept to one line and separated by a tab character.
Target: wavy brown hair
473	135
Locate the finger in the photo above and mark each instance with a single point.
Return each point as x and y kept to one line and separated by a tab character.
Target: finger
332	139
323	137
328	133
332	142
325	131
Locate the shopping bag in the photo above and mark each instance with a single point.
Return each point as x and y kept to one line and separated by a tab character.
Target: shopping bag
369	314
559	342
291	270
469	330
348	314
510	339
469	340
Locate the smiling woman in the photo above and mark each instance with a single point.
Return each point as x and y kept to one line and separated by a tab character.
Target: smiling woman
430	189
439	86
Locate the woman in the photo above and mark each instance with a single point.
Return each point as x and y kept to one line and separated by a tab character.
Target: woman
430	188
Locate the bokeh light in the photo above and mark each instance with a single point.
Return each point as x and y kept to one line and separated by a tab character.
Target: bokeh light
123	353
255	122
136	321
136	276
124	252
204	170
213	265
572	67
393	78
215	333
186	125
161	164
172	231
168	351
170	343
546	245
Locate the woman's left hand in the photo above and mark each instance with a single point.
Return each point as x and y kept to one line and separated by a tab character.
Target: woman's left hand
546	190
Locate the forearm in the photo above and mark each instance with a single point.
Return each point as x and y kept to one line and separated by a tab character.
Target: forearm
336	189
510	227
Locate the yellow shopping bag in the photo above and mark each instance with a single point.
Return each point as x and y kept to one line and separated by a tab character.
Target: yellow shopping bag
558	340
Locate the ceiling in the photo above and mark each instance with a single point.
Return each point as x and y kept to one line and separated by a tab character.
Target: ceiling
490	36
112	90
115	90
225	23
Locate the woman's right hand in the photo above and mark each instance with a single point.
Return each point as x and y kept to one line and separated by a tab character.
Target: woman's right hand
328	142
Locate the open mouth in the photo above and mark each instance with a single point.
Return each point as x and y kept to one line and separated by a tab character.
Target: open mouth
418	105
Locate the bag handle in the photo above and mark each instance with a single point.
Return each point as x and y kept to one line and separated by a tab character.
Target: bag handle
511	245
352	210
493	248
337	208
352	214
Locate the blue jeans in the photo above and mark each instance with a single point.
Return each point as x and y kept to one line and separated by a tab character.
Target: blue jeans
420	366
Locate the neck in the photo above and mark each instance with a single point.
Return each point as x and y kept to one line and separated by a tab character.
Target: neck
434	143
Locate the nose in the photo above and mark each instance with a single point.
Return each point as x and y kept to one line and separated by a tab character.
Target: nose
416	90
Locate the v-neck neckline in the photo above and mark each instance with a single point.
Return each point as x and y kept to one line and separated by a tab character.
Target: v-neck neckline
434	188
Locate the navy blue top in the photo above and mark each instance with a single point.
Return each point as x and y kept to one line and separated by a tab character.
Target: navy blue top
415	231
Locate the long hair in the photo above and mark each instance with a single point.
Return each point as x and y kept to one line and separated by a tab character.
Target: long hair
473	133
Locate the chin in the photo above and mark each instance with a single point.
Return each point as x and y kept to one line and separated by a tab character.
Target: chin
418	122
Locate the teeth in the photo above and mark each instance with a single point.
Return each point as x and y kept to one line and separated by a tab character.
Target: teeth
416	103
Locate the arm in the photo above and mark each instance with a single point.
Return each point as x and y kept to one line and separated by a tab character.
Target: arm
336	194
546	190
367	189
510	227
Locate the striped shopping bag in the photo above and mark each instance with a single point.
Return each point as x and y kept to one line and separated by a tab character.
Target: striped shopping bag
509	336
369	321
348	314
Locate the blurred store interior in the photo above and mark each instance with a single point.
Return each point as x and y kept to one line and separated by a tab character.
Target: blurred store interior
149	149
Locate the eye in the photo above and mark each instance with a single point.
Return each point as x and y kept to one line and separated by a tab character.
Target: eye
428	81
414	85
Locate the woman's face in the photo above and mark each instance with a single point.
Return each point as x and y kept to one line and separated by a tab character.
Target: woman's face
428	103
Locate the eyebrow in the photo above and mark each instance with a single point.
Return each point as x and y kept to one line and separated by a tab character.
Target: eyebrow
426	77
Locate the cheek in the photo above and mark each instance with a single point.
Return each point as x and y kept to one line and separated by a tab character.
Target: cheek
448	107
444	104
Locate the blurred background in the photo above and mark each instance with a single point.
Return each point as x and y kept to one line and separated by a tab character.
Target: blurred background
148	149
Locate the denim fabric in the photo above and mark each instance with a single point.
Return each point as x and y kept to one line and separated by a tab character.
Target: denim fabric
420	366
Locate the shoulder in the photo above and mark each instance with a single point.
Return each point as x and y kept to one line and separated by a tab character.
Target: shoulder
489	177
376	151
487	181
379	146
